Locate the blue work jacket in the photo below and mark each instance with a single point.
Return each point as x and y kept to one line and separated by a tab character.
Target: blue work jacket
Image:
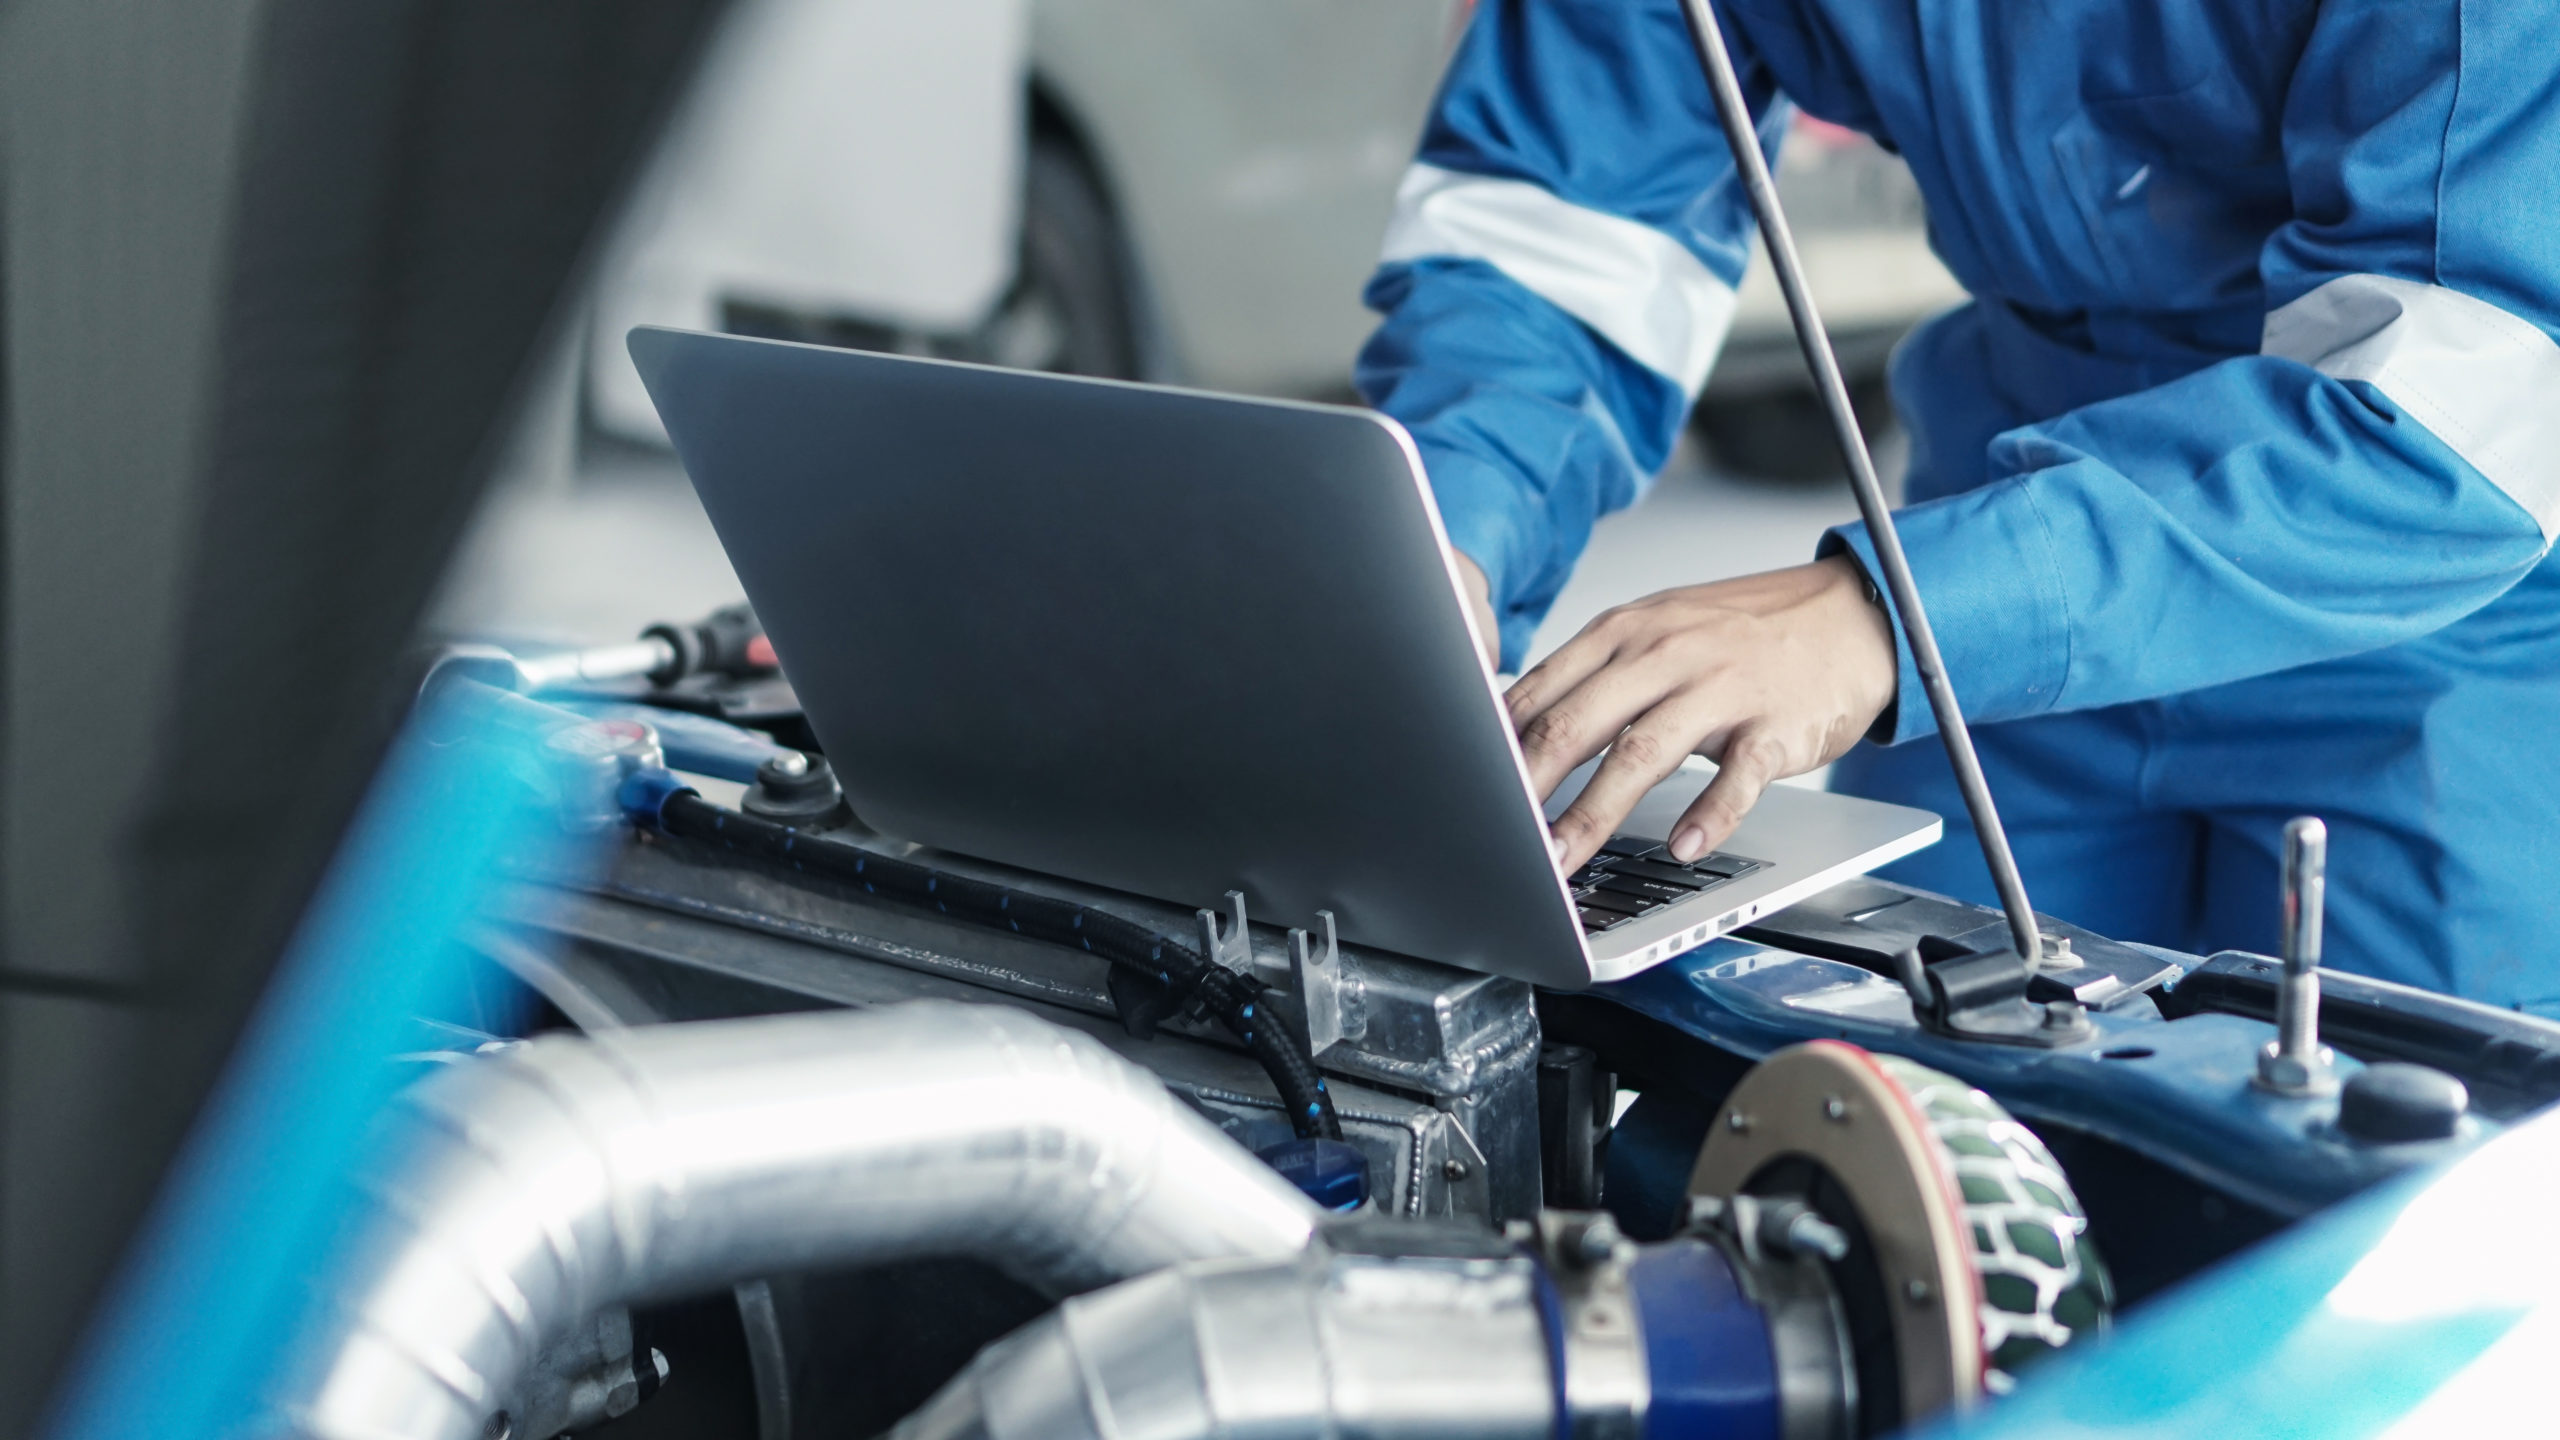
2259	372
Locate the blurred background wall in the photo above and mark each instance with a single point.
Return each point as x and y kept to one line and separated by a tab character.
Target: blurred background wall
1190	191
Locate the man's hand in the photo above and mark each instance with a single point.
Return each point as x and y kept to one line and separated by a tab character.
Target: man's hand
1768	675
1480	605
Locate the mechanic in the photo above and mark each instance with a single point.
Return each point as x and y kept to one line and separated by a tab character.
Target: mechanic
2230	490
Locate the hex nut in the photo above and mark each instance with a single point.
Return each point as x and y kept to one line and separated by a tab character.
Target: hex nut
2293	1074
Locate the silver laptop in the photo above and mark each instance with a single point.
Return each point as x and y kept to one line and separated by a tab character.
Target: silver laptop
1177	644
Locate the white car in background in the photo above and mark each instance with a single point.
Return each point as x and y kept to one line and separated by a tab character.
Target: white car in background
1190	191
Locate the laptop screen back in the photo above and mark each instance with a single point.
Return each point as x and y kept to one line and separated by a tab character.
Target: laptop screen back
1165	642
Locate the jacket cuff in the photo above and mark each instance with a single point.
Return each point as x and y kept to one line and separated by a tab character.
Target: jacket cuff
1986	568
1480	509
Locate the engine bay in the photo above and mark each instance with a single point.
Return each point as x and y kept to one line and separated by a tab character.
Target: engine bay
830	1134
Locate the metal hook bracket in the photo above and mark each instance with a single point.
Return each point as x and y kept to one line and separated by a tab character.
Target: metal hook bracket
1316	973
1230	946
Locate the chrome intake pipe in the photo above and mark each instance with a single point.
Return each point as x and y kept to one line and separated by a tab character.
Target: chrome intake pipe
1561	1330
1446	1347
524	1193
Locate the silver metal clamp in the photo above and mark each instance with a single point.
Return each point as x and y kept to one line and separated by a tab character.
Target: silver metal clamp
1608	1387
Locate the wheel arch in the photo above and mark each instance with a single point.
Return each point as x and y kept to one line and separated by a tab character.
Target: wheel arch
1051	117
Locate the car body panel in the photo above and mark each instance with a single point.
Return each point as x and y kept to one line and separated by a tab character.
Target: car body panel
846	156
2421	1307
1254	150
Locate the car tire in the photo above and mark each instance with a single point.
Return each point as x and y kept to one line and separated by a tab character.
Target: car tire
2043	1285
1069	310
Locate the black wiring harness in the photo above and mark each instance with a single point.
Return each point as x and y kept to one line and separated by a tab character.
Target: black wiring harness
1153	975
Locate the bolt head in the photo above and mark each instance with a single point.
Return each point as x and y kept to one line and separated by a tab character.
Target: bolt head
1454	1169
1737	1122
1919	1292
1834	1108
2294	1074
1810	1234
2064	1015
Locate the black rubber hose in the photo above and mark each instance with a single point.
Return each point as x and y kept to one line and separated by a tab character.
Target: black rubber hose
1237	1001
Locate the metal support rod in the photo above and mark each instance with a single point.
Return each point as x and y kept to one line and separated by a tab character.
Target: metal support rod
2306	867
1740	133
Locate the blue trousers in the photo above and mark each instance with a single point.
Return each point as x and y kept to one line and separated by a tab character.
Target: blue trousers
2162	821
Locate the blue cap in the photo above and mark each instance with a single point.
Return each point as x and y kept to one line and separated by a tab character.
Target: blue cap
1333	1174
646	792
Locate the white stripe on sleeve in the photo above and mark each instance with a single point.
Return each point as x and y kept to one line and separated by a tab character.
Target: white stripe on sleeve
1641	290
2485	382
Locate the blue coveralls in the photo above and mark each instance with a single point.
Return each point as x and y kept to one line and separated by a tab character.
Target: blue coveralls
2230	491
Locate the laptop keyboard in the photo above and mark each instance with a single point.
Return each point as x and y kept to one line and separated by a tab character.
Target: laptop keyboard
1631	877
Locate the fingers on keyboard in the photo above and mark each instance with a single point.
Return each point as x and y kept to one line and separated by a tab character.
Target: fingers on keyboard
1632	877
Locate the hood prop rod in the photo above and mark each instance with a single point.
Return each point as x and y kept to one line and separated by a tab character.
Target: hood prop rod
1739	132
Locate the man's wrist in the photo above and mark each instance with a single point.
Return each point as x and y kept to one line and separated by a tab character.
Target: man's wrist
1479	596
1880	614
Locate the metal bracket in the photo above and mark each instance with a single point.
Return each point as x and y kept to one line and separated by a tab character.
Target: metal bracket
1317	976
1232	948
1867	922
1451	1178
1968	994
